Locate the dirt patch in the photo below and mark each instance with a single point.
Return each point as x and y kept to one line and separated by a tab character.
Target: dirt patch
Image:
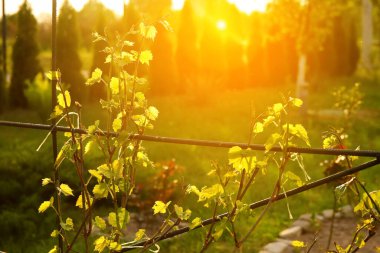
343	233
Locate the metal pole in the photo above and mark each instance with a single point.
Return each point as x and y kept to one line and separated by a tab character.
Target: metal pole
4	34
54	103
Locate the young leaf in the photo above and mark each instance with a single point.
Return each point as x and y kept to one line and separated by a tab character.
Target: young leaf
96	77
68	225
62	101
183	215
66	190
151	113
139	234
160	207
45	205
96	174
79	202
53	75
277	108
55	233
46	181
296	102
272	140
145	57
114	246
298	244
100	190
100	222
54	250
114	85
258	128
88	146
195	223
100	244
116	125
123	217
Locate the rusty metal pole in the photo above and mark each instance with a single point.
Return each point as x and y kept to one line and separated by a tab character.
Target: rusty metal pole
54	103
4	37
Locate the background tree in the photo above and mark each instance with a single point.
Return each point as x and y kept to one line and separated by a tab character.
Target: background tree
2	85
162	77
68	60
24	56
187	55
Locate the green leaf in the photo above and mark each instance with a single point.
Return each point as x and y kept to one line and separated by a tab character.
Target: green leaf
55	233
66	190
116	124
145	57
62	101
100	223
272	140
330	142
293	177
195	223
44	206
54	250
258	128
160	207
299	131
79	202
277	108
209	192
68	225
100	191
88	146
53	75
46	181
96	174
56	113
104	170
123	217
114	85
115	246
296	102
183	215
139	234
100	244
96	77
151	113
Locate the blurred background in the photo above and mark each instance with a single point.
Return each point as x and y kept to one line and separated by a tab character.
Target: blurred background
222	60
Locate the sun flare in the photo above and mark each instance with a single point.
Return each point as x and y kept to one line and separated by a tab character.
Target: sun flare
221	24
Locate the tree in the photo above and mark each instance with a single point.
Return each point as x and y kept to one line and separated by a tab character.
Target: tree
187	55
163	76
367	33
68	60
24	56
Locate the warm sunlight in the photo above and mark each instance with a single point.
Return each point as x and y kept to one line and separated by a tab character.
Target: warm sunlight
221	25
246	6
249	6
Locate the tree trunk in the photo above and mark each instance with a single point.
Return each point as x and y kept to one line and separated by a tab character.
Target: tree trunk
367	33
302	85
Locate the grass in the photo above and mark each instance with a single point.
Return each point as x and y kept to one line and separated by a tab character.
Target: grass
224	116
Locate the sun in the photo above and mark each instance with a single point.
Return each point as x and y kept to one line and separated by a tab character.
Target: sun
221	24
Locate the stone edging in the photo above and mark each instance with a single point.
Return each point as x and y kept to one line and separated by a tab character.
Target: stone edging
306	223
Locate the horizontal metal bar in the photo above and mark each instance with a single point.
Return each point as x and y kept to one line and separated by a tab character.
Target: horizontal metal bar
263	202
205	143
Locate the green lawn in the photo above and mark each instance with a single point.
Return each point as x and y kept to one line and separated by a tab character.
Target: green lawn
223	117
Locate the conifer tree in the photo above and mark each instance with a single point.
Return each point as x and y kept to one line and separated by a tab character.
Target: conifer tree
24	56
187	55
162	76
68	60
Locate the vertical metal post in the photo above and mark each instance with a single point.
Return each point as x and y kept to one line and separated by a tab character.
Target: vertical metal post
4	35
54	103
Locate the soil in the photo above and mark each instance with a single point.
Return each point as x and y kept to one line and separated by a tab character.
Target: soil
343	233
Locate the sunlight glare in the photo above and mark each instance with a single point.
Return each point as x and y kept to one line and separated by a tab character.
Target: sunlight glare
177	5
221	25
249	6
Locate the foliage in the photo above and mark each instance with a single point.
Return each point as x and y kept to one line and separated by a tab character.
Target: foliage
38	94
24	56
68	60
